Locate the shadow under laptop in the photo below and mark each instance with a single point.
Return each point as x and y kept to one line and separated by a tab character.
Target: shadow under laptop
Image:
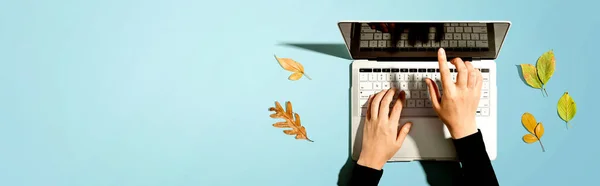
338	50
344	177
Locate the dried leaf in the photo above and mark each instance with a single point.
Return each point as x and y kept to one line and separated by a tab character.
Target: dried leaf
292	66
529	138
282	125
295	76
535	129
530	75
292	120
545	66
567	108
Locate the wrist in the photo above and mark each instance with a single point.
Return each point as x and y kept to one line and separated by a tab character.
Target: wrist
371	163
464	130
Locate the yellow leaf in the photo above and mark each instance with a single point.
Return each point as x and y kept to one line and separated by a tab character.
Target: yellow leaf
529	122
567	108
545	66
535	129
292	121
539	130
528	138
292	66
295	76
530	75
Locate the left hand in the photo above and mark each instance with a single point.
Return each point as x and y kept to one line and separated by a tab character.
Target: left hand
381	136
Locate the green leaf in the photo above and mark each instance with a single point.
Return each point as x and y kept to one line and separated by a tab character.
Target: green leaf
545	66
531	76
566	108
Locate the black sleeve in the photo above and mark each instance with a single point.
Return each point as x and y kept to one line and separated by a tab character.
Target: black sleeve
365	176
476	165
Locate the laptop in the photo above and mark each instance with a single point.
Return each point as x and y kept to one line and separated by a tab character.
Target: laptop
396	54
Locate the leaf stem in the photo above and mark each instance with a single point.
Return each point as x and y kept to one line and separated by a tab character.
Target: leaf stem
542	91
569	125
545	91
309	139
306	76
543	150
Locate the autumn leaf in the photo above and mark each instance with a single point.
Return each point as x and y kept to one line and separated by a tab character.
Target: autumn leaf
530	76
545	66
292	120
292	66
538	76
536	129
567	108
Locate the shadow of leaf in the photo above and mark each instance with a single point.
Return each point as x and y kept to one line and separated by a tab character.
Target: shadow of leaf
332	49
520	71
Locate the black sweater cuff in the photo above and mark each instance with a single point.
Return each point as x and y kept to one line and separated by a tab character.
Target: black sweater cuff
365	176
471	147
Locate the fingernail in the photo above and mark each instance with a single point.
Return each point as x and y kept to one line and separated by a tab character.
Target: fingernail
442	51
408	125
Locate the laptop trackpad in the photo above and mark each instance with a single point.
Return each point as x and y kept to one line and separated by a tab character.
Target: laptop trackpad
428	139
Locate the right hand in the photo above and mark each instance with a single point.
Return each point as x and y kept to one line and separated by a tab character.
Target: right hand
457	107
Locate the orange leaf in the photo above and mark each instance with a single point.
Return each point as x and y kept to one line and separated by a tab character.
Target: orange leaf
529	122
281	125
539	130
292	121
292	66
528	138
535	129
295	76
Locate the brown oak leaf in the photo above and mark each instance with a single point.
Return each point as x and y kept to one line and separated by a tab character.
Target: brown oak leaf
292	120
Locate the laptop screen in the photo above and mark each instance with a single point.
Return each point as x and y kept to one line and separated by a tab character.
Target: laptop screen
421	40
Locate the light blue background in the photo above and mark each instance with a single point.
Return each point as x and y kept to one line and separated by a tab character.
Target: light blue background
124	92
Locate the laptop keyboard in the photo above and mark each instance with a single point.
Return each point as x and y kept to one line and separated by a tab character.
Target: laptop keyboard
454	37
412	81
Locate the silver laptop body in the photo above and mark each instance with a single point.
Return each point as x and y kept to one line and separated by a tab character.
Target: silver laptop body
402	56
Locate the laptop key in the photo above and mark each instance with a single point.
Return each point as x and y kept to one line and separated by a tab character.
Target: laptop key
415	94
410	103
485	111
424	94
365	94
428	103
363	102
420	103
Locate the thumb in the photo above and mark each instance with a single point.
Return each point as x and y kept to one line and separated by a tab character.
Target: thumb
403	133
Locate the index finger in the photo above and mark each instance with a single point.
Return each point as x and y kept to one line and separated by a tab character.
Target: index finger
444	71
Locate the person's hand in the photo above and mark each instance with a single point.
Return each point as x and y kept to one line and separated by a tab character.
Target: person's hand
381	136
458	105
